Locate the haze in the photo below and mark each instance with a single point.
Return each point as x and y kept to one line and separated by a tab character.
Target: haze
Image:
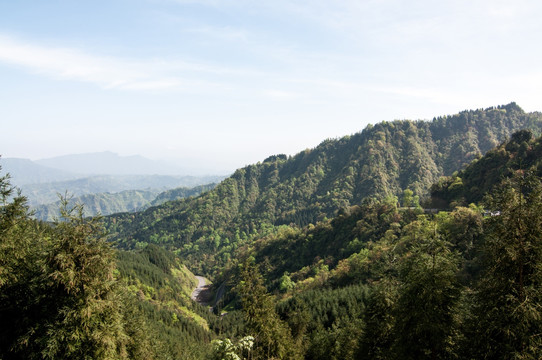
216	85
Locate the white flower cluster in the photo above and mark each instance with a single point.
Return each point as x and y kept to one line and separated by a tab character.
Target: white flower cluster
227	350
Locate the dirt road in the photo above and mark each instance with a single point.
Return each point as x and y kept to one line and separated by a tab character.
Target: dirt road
202	293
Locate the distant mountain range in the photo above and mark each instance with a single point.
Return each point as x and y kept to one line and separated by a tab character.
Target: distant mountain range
46	193
70	167
25	171
109	163
124	201
103	182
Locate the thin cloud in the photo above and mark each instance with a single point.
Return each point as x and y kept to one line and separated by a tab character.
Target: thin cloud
121	73
109	72
73	64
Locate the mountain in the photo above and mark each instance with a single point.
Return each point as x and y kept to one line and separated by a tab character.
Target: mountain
25	171
109	163
47	193
181	193
522	152
372	279
367	280
124	201
104	204
381	161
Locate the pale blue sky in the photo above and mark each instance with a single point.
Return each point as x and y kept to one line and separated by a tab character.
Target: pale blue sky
221	84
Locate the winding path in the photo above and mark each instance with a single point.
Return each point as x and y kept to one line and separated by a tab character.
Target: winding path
202	293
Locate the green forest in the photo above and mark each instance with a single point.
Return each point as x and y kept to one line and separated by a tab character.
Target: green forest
408	240
124	201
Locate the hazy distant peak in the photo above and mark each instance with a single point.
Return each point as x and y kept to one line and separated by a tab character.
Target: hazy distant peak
110	163
25	171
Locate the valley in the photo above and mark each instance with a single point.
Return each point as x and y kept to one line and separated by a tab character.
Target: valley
325	254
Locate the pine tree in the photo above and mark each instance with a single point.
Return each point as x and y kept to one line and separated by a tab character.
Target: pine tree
377	337
86	318
272	338
19	268
507	315
428	298
58	294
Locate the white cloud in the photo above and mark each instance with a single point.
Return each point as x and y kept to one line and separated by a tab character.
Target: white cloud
74	64
111	72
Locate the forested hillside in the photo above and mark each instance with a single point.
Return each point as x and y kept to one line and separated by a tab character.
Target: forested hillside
381	281
159	285
363	274
47	193
104	203
181	193
522	152
124	201
65	293
382	160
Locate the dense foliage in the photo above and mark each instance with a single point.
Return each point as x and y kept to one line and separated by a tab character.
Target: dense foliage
433	286
58	295
46	193
324	255
381	281
470	185
124	201
383	160
66	293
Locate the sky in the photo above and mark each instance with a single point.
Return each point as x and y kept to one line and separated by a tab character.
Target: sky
219	84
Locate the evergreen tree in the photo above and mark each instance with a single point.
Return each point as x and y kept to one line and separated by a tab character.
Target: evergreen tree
58	293
272	338
84	318
427	304
377	338
19	268
507	315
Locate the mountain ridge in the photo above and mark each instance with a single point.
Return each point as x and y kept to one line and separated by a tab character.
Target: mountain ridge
383	160
123	201
26	171
110	163
46	193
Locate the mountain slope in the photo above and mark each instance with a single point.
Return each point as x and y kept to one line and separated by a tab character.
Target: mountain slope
383	160
521	152
103	203
124	201
25	171
181	193
47	193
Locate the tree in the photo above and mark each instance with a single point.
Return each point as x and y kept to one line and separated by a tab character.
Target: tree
58	292
410	200
428	298
85	318
508	310
272	337
463	228
19	268
377	338
227	350
286	283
